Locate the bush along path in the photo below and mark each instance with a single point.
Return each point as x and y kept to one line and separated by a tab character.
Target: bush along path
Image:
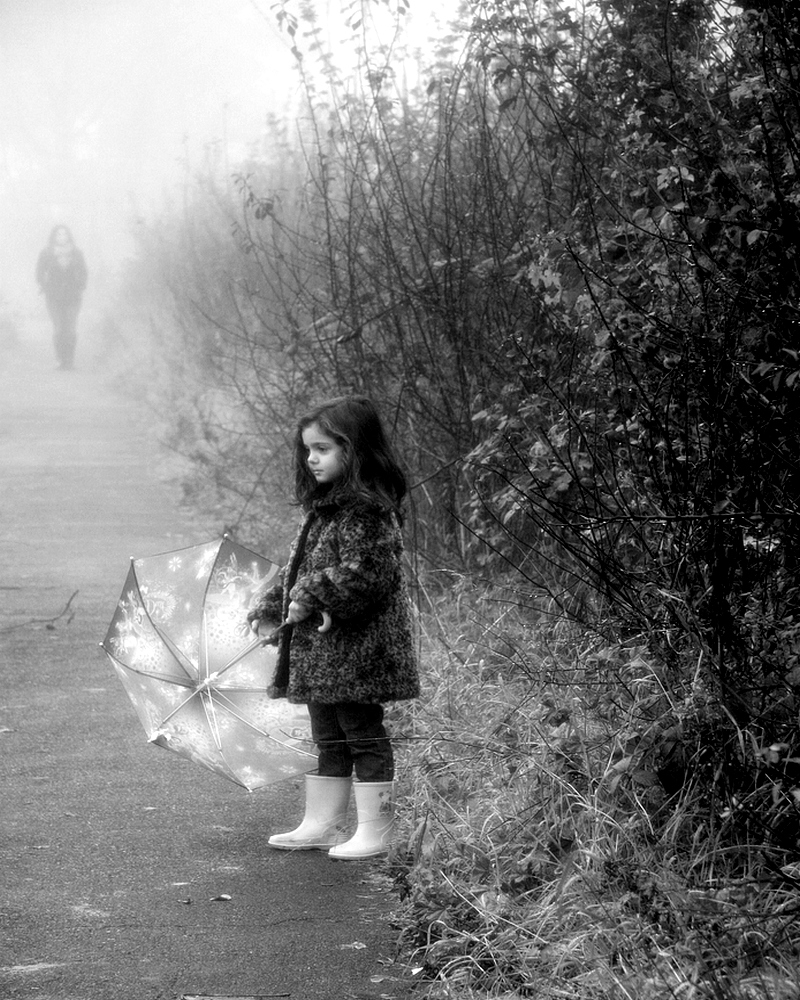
565	261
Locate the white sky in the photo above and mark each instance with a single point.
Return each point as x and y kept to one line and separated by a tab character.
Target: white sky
108	105
101	102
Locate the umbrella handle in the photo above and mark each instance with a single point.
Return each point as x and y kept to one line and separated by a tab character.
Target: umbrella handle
274	636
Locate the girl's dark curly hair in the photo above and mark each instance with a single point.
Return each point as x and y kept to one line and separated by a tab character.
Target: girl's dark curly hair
371	470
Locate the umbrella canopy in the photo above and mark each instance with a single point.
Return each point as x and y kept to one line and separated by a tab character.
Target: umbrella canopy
180	643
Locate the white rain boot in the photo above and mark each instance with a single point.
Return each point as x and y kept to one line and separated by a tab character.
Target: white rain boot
325	816
375	807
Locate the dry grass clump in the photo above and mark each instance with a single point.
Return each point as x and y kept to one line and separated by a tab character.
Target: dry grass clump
540	856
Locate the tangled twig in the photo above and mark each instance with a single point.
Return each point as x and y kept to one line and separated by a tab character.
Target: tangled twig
47	622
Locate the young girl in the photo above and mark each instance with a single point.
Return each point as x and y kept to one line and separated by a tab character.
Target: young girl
345	563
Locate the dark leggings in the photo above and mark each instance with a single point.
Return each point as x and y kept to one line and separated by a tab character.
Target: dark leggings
351	735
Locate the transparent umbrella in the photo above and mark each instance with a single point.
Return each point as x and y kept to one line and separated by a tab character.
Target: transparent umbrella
180	643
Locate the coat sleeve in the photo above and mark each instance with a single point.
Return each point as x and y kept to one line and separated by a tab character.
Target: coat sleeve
365	573
269	605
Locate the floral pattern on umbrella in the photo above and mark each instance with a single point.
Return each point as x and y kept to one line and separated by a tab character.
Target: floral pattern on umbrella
180	643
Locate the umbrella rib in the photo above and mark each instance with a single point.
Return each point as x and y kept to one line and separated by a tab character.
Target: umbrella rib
229	707
197	690
258	641
241	654
181	659
242	689
179	707
254	644
169	678
203	658
213	724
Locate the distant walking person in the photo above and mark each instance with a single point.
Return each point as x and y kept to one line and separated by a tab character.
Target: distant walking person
61	274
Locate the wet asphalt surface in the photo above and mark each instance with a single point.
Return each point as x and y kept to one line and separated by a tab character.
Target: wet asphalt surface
113	853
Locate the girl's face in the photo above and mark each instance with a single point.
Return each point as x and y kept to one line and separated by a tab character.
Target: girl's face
325	456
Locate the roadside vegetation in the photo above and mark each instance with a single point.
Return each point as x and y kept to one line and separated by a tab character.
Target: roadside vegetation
560	248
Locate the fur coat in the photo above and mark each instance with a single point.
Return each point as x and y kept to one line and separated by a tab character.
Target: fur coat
347	561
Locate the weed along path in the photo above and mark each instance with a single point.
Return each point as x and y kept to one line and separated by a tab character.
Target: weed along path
126	872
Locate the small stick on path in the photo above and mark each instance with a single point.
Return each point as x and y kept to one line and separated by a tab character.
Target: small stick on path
48	623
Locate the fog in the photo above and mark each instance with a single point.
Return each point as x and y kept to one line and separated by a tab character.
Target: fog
107	107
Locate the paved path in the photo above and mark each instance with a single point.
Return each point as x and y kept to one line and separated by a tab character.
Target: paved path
112	851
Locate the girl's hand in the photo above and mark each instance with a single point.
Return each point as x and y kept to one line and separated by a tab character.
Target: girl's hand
297	613
264	631
255	628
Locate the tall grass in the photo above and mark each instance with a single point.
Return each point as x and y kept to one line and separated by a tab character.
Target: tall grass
539	854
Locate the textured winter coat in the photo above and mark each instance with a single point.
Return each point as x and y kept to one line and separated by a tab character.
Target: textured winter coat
347	561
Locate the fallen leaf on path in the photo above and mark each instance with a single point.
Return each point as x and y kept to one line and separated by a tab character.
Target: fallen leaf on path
33	967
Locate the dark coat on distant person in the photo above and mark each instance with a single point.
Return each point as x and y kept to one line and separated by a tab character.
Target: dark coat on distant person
62	285
347	560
